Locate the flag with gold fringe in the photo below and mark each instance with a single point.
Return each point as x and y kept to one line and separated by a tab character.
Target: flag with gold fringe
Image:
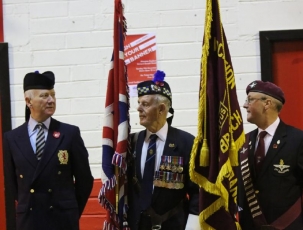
116	128
214	156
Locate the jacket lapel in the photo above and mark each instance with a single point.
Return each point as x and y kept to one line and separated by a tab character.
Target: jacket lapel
24	144
54	138
138	147
276	144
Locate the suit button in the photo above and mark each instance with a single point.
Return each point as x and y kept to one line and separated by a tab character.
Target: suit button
32	191
21	176
59	172
257	191
50	190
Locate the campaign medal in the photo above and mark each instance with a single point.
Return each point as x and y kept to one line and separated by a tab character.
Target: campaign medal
181	181
159	182
170	183
180	167
162	164
174	167
168	166
63	157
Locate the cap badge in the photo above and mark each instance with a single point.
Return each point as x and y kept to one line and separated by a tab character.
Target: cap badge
156	88
252	85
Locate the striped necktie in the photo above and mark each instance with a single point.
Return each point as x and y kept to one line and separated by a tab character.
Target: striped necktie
40	140
148	176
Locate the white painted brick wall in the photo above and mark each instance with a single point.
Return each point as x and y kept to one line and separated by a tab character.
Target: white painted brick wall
74	39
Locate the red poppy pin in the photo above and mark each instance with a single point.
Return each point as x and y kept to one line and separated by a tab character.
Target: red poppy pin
56	134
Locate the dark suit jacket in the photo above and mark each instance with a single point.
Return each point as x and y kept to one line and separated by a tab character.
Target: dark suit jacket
51	194
178	143
278	191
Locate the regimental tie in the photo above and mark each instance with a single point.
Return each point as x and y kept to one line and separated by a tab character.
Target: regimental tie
148	176
260	151
40	141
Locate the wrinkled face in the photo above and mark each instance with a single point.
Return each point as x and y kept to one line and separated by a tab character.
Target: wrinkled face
42	104
255	107
148	109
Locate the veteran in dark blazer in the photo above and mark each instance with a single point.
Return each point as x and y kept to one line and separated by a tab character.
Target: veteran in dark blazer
160	194
47	173
270	185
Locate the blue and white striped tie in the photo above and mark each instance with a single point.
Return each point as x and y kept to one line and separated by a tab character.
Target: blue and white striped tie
40	141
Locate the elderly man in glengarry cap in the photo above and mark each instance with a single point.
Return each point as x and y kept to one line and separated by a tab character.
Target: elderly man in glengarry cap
271	164
161	194
47	173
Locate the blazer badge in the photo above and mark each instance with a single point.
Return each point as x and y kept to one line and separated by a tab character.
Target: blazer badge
281	167
63	157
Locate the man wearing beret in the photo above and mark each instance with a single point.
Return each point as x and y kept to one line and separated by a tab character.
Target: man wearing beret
161	194
47	172
271	164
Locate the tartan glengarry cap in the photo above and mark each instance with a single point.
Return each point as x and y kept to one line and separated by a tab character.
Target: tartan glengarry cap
156	86
36	80
268	88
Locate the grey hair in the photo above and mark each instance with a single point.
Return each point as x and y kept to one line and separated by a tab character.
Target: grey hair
162	99
29	93
278	104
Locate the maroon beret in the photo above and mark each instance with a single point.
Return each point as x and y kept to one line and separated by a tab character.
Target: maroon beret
267	88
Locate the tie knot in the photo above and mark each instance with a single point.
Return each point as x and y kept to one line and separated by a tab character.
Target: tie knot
262	134
39	126
153	137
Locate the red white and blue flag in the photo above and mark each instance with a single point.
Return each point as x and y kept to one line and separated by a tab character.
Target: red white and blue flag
116	130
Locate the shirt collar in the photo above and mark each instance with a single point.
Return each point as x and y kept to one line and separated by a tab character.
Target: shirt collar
272	128
162	133
32	123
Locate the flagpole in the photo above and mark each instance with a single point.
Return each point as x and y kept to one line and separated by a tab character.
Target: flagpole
116	86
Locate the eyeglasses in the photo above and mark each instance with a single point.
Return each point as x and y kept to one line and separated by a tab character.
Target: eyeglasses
250	100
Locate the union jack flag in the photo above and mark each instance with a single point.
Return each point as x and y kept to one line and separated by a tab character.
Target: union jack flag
116	130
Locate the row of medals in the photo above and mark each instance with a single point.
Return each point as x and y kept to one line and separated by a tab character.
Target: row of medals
170	173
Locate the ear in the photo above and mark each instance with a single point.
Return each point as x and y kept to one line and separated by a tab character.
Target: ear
28	101
268	104
162	108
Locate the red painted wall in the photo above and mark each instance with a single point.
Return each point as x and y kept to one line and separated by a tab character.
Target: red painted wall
93	215
1	23
288	74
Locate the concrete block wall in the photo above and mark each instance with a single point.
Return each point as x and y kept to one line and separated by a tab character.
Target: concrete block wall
73	38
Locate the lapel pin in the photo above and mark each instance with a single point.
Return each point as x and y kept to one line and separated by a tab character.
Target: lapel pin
56	134
278	142
275	146
171	145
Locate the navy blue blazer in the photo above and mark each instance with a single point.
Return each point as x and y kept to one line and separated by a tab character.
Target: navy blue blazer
178	143
51	193
277	190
